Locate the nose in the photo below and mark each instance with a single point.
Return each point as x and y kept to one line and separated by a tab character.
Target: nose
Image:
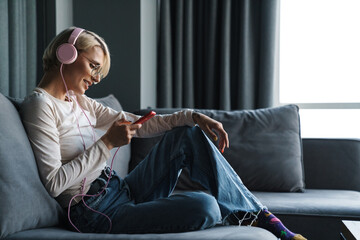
96	75
96	79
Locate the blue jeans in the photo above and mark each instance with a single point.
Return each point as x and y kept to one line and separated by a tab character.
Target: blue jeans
143	202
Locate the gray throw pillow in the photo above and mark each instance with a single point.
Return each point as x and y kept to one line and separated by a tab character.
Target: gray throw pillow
24	201
265	148
122	158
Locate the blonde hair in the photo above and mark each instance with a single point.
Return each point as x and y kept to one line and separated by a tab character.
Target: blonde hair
85	41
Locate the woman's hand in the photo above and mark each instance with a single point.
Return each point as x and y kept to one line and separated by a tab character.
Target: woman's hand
209	125
120	134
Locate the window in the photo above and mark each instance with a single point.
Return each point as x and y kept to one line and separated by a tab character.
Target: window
320	65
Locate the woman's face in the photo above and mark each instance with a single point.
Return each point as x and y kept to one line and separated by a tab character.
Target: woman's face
78	75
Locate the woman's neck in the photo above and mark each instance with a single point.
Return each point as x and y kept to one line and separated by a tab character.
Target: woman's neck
52	83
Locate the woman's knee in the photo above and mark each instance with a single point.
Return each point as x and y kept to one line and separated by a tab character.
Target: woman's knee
205	208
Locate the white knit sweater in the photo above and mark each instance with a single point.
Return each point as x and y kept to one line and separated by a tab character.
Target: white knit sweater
62	161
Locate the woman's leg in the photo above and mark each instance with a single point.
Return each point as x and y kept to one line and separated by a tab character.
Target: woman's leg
141	203
178	213
157	174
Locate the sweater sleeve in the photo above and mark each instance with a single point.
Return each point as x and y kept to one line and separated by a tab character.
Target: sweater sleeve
165	122
41	123
155	126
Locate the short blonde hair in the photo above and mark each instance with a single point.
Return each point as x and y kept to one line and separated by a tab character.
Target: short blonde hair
85	41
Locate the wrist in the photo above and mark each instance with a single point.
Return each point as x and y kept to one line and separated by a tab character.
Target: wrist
107	142
195	117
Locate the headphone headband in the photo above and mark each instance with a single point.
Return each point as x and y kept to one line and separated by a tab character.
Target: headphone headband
74	35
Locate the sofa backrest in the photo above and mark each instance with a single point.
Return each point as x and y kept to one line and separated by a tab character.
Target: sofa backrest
24	202
332	163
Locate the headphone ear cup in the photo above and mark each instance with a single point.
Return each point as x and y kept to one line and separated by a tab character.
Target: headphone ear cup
66	53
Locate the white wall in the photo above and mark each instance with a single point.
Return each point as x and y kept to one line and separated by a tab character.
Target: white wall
64	14
148	53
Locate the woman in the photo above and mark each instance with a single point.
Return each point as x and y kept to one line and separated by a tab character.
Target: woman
60	119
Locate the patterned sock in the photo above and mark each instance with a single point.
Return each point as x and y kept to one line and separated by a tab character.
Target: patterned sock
271	223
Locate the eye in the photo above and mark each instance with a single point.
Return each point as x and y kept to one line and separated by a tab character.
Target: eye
93	66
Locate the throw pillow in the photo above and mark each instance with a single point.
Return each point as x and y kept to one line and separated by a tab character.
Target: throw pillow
24	202
265	147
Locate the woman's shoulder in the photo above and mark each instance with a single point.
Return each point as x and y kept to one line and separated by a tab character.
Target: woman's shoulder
36	99
37	112
88	103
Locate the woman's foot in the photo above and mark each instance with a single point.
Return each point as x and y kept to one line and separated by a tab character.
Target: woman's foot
271	223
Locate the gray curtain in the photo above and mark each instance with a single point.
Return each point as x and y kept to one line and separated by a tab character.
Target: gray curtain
17	47
217	54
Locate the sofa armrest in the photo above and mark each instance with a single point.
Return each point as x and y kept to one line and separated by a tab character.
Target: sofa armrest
332	163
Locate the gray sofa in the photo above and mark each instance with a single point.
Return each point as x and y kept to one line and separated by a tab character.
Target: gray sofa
325	188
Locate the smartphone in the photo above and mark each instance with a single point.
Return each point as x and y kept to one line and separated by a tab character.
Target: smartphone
145	117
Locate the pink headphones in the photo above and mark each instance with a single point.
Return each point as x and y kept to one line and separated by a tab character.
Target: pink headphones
66	53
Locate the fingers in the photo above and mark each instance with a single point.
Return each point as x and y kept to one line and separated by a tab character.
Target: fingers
223	140
135	126
131	129
223	136
130	125
212	127
210	133
123	121
120	133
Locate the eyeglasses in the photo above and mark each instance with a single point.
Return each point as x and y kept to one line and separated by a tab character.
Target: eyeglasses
95	71
96	74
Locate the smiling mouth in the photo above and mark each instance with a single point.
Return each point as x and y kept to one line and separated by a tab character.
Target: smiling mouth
88	83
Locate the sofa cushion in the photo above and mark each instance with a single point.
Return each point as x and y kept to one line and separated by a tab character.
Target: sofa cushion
265	148
25	203
316	213
215	233
314	202
122	158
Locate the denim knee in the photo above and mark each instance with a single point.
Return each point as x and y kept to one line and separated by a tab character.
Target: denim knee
204	208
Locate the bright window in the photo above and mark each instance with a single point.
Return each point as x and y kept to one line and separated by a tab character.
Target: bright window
320	65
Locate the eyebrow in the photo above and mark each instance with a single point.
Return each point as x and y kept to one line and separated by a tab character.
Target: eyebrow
95	62
92	61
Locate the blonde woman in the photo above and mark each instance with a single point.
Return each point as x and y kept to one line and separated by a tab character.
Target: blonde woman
60	119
